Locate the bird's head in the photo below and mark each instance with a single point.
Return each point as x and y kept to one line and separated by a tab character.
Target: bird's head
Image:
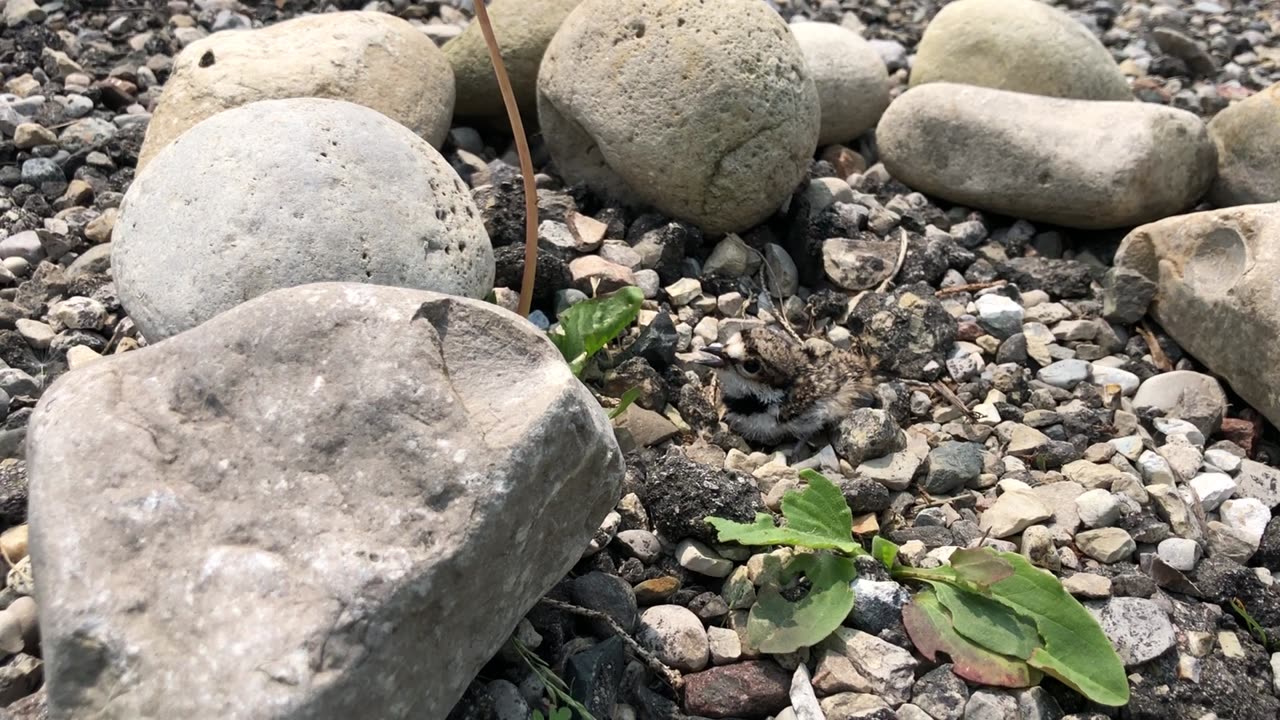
761	362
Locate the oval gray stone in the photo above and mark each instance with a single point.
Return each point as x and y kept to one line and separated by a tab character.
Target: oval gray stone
344	194
309	489
852	81
1077	163
1247	135
1186	395
706	111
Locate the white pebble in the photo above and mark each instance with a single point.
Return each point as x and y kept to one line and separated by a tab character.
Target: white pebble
1212	489
1247	516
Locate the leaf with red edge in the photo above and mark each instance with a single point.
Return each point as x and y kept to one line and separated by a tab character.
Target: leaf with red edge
931	630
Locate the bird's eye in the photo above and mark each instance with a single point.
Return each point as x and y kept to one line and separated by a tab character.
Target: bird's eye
751	367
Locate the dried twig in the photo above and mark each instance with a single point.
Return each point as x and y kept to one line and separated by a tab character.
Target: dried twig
526	161
897	266
950	397
669	675
970	288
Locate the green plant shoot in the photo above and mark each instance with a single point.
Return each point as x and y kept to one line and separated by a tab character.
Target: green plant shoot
590	325
624	402
561	705
1001	620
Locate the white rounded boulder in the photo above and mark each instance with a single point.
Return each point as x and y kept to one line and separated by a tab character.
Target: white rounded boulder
371	58
1019	45
280	193
1077	163
852	81
704	110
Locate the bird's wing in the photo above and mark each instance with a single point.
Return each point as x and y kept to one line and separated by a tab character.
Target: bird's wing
834	377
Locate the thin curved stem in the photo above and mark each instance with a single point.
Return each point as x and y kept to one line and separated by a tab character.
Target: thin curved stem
526	161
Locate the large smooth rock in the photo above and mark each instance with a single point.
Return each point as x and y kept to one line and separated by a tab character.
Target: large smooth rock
370	58
1247	135
1078	163
292	510
1216	293
706	111
852	81
1019	45
215	220
523	29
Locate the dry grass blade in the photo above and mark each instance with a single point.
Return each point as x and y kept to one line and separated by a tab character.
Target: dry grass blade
1162	361
971	287
897	266
526	161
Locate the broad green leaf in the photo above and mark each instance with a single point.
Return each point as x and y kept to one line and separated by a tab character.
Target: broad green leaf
1075	650
537	715
930	628
777	625
980	566
989	623
562	713
624	402
884	551
588	326
818	517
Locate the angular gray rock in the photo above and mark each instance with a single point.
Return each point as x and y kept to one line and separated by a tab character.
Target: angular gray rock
375	59
1079	163
274	514
1259	481
951	465
1137	627
1019	45
633	99
1215	292
214	220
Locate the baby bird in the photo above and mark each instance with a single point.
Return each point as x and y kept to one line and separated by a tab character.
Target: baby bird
775	389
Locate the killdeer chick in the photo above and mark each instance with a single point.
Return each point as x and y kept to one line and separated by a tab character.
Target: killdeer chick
775	389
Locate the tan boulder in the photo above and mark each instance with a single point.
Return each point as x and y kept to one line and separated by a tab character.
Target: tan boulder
523	29
1019	45
703	110
1216	292
1247	135
369	58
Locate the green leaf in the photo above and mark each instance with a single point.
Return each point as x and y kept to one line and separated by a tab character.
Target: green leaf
884	551
777	625
624	402
988	622
818	517
585	328
563	713
1074	648
980	566
537	715
931	631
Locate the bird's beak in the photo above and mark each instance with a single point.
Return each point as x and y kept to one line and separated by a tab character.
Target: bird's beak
712	356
